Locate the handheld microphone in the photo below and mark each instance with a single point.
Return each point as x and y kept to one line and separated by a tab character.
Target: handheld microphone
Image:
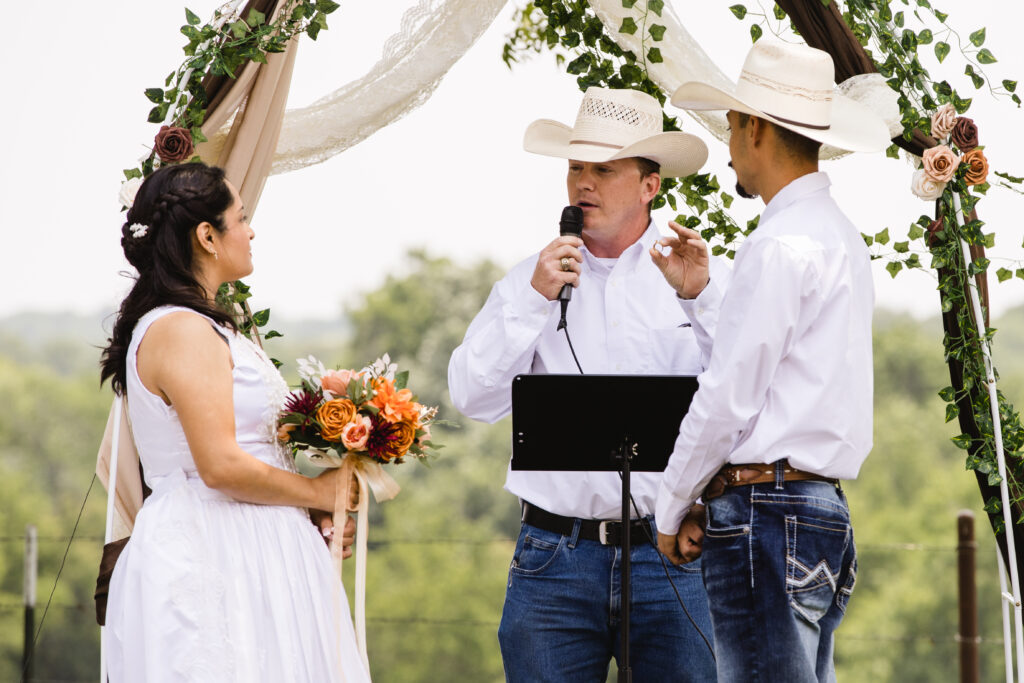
571	223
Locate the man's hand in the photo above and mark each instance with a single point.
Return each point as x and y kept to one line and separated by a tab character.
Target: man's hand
549	276
687	544
685	267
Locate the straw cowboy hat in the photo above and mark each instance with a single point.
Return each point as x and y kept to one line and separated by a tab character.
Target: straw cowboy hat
793	87
618	124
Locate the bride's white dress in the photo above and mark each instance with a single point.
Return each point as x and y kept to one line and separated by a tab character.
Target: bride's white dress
213	589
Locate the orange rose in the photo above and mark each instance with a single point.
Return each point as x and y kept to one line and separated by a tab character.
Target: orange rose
284	432
977	167
405	433
333	416
394	405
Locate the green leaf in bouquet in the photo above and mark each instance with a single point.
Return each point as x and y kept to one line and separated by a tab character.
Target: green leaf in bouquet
356	390
373	410
402	379
272	334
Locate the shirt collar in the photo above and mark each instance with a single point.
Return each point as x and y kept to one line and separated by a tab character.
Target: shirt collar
632	254
796	190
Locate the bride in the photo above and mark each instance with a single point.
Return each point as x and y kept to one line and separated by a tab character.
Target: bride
225	578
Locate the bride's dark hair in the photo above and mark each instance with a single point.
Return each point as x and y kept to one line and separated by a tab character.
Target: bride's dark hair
157	238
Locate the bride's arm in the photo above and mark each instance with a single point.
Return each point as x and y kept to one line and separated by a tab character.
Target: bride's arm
187	363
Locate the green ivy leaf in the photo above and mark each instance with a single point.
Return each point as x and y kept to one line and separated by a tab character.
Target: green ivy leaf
256	18
628	4
779	13
1004	274
915	231
261	318
580	65
941	16
986	57
868	239
326	6
882	237
947	394
155	95
755	33
272	334
657	31
962	441
739	10
654	56
978	37
941	50
191	17
1009	85
628	26
894	267
130	173
913	261
901	247
898	19
976	78
656	6
925	37
952	410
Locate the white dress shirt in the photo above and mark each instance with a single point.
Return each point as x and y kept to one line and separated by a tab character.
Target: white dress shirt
790	373
623	319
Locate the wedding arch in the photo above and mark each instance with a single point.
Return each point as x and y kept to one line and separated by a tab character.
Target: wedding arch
225	104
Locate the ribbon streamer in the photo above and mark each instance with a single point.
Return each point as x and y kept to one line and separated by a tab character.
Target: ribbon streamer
368	475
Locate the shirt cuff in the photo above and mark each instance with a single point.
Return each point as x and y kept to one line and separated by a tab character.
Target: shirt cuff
706	302
669	511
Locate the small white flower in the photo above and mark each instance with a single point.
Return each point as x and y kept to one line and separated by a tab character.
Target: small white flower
138	230
926	188
310	369
129	189
383	367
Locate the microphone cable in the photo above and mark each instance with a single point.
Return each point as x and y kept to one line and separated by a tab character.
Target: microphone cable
668	575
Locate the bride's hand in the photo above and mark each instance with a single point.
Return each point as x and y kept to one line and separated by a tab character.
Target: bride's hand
325	522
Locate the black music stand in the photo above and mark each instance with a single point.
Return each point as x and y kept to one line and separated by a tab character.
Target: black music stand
600	423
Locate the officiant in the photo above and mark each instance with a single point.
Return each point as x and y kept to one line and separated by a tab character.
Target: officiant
563	608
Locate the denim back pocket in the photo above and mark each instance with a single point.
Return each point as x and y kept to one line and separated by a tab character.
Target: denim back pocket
815	553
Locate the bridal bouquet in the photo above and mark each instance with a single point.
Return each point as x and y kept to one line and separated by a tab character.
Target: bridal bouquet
369	413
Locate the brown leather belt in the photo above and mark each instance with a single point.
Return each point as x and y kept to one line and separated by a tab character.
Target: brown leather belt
757	473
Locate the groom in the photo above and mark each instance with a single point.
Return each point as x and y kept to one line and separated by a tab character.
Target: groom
784	410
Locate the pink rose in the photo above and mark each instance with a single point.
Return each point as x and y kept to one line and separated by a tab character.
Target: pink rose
336	381
355	434
943	121
940	163
924	187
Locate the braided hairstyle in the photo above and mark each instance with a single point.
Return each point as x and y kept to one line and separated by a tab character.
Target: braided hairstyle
157	239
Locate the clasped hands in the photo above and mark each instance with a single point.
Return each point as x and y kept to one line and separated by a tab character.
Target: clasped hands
687	544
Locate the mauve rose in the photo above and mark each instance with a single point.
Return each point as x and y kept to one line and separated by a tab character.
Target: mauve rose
965	134
173	144
943	121
355	434
977	167
940	163
926	188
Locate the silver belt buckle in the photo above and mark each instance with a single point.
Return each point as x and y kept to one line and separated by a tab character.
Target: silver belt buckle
602	531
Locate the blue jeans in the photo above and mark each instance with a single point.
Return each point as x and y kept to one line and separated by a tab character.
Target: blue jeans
563	613
779	567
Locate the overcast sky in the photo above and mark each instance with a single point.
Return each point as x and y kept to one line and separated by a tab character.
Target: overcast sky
450	177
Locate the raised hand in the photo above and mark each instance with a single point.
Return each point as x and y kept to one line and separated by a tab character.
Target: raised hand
685	266
552	272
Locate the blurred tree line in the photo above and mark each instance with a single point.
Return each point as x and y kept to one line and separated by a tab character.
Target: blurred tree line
439	553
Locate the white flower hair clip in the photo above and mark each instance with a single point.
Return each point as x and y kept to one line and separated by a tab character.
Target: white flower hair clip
129	189
138	230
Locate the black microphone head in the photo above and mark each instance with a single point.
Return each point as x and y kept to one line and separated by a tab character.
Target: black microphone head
571	222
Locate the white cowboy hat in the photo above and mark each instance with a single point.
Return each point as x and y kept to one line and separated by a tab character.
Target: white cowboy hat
793	86
618	124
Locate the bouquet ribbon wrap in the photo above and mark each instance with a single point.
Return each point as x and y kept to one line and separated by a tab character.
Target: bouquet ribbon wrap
368	475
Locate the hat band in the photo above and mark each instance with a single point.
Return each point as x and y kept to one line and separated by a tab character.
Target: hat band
596	144
812	126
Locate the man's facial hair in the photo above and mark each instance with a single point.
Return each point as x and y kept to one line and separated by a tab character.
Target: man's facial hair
742	191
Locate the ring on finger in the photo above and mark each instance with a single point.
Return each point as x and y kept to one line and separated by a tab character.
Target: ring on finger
566	265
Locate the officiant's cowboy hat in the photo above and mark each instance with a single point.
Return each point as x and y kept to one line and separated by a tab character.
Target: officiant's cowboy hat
793	87
618	124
